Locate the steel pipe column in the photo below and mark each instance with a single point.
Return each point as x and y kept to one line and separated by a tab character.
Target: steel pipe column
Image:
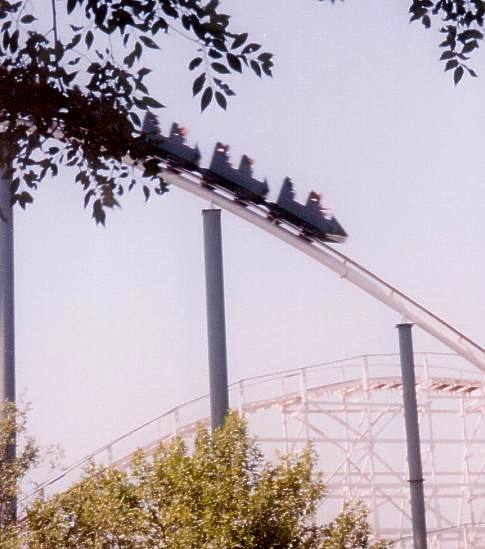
216	321
7	325
7	328
418	515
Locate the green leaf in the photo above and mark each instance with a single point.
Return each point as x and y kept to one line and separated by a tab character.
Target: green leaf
195	63
26	19
239	40
25	198
160	24
135	119
14	41
87	197
198	84
138	50
220	68
99	214
211	6
130	59
470	34
215	54
152	103
206	98
234	62
251	48
149	42
267	68
221	100
457	75
447	55
74	42
469	46
452	63
256	68
89	39
265	57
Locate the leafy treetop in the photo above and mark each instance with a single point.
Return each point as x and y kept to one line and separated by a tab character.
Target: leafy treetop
461	25
14	465
84	81
78	87
221	494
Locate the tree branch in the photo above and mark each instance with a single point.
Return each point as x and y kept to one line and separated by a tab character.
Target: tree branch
54	21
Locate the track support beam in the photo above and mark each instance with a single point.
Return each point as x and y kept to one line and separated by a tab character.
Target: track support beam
7	321
216	321
7	336
418	514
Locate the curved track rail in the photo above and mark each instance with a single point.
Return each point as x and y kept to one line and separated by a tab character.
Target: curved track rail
340	264
351	410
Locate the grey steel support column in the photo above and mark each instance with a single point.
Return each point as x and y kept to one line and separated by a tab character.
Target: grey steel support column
418	516
216	321
7	327
7	334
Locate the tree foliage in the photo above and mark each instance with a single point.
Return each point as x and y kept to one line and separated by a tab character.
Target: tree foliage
13	466
84	81
462	29
461	24
79	75
219	495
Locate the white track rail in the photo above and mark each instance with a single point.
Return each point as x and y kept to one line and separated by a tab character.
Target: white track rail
351	410
339	264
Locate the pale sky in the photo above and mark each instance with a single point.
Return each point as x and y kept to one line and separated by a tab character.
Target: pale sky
110	323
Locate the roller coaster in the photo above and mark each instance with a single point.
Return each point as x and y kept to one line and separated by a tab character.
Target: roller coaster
192	179
350	409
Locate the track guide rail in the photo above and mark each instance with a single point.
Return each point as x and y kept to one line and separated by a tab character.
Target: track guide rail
337	262
340	264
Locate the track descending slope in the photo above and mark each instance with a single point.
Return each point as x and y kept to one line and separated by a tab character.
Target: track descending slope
340	264
351	411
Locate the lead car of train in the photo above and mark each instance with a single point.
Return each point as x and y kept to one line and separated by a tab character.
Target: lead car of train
311	219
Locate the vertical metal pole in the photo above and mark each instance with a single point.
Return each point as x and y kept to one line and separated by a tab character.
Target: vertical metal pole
216	322
412	435
7	333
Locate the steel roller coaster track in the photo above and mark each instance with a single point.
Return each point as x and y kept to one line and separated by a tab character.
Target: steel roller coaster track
346	268
339	263
351	411
300	405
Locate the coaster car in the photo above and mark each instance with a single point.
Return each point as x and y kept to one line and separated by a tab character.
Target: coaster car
311	218
240	181
172	148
